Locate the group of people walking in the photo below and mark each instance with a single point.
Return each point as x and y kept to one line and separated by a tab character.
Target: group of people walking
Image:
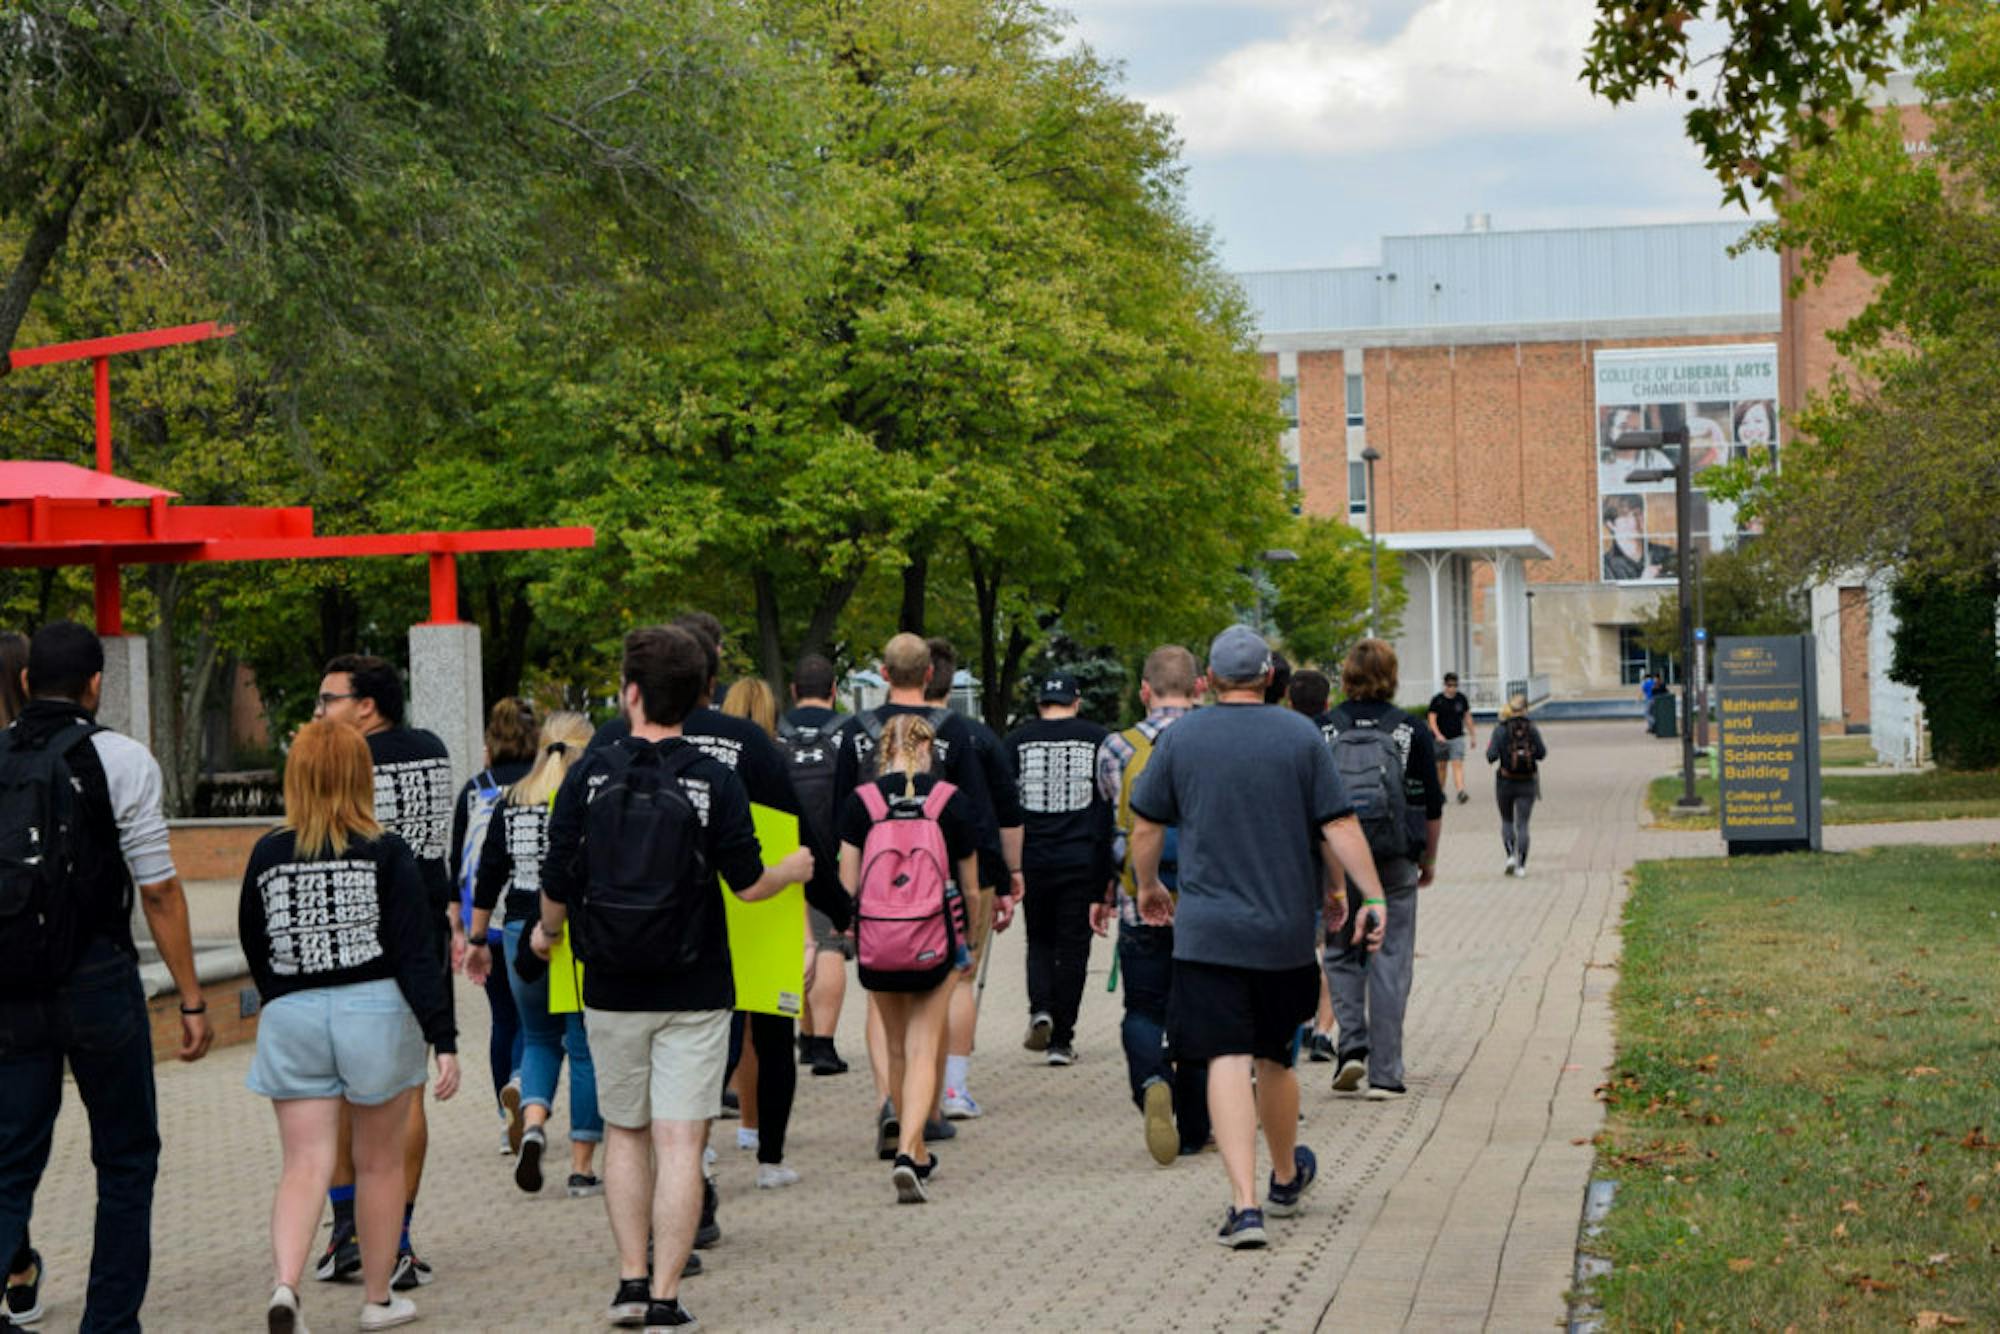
1261	857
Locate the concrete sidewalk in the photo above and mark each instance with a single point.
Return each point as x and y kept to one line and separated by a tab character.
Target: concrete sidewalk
1454	1208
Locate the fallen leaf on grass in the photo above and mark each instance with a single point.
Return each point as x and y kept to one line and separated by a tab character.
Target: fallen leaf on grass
1741	1266
1919	1071
1975	1138
1867	1284
1936	1320
1839	1230
1851	1207
1972	1203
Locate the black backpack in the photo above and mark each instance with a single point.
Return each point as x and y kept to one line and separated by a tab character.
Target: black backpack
646	903
1370	764
869	767
812	752
41	919
1517	750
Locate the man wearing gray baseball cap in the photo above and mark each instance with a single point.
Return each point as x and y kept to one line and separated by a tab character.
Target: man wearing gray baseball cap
1251	787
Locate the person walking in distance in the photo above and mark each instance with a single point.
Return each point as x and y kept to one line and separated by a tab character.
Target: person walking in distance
809	737
1386	767
999	877
510	877
1517	749
898	834
336	927
641	830
510	753
1451	726
1249	785
80	823
1171	1092
413	800
1065	858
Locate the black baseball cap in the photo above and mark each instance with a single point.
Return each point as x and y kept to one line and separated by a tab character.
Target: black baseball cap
1059	688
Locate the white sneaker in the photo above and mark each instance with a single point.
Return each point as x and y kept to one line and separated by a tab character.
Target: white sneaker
746	1139
282	1317
396	1311
1521	871
708	1162
959	1106
775	1176
1383	1093
1508	867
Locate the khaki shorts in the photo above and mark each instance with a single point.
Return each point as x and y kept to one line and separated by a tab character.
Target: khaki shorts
658	1065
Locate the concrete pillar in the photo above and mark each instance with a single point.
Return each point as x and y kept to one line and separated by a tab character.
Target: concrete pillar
126	702
447	692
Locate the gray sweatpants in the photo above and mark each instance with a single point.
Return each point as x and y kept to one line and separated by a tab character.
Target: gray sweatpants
1371	992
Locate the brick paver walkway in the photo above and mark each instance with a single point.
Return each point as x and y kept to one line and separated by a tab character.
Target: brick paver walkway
1455	1208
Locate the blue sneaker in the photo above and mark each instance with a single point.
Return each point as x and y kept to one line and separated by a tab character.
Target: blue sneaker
1242	1230
1284	1200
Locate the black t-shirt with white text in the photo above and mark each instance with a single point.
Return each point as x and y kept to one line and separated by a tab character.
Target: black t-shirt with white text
1066	824
414	801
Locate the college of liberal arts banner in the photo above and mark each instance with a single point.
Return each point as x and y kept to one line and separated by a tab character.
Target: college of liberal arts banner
1726	397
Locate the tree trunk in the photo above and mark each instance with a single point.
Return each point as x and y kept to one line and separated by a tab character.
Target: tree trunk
1018	645
986	596
833	599
770	648
45	241
916	575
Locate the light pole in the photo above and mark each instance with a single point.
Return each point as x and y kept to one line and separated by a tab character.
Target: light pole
1676	439
1368	456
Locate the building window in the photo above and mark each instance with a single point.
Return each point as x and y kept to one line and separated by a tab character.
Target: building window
1288	400
1357	487
1634	662
1355	414
1292	485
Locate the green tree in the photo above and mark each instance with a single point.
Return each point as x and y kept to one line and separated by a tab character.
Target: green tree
1321	606
1780	74
1743	592
1946	651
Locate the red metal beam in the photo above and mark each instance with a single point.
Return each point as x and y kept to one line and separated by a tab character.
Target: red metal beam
185	550
444	588
91	349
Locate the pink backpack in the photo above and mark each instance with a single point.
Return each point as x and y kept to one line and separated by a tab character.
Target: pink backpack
904	917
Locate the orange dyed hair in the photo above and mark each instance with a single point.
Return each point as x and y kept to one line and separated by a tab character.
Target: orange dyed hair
329	788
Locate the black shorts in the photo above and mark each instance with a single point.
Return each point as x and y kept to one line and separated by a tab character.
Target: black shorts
1218	1010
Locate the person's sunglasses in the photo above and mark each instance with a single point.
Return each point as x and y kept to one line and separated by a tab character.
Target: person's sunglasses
327	697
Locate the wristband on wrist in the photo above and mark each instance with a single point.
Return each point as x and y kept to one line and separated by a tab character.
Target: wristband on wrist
1370	903
195	1009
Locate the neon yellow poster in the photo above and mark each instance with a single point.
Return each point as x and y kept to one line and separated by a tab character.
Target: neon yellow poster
766	940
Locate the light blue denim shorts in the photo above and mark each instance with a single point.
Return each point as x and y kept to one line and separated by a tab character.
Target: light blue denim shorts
359	1042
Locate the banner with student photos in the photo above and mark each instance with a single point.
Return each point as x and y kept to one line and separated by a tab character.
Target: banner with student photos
1726	397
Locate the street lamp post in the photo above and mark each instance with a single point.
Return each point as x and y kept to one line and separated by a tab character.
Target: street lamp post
1369	456
1676	439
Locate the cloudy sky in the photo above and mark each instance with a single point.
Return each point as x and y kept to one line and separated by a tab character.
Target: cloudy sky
1315	127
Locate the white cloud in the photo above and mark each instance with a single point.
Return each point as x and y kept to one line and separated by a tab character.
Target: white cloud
1331	87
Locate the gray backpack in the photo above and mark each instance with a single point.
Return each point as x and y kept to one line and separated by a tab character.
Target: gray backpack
1370	765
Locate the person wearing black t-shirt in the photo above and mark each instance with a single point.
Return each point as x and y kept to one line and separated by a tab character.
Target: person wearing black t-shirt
660	1036
338	932
1065	859
1451	725
808	735
413	800
999	866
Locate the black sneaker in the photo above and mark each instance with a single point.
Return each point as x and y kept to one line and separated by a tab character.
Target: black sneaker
693	1266
1243	1230
939	1130
732	1106
410	1272
342	1259
888	1131
1322	1048
911	1177
528	1166
669	1314
825	1060
23	1305
690	1267
1060	1053
583	1184
808	1044
1284	1201
628	1308
1353	1072
710	1231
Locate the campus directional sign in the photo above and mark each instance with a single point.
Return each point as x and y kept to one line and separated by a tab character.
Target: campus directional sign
1768	705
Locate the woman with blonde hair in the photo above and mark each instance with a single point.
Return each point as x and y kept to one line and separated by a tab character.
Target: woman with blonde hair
511	862
1516	746
913	1002
335	923
752	698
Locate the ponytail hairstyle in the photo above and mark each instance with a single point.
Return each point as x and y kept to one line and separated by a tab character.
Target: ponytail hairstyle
906	748
563	739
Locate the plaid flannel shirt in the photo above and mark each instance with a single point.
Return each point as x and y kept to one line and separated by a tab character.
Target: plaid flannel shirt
1113	754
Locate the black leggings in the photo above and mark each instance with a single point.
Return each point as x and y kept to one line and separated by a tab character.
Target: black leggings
1517	806
771	1037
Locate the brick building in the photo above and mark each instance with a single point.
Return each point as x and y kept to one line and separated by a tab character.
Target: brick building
1487	369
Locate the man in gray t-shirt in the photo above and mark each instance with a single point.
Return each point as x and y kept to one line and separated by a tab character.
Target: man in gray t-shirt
1251	787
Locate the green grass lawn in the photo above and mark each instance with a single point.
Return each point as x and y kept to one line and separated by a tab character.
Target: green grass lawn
1838	752
1857	798
1803	1118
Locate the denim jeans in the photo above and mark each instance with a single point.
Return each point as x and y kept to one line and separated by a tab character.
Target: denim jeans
97	1021
1146	962
503	1048
545	1038
1057	910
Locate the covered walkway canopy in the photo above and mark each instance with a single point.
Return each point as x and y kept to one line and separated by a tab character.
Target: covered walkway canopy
1438	624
